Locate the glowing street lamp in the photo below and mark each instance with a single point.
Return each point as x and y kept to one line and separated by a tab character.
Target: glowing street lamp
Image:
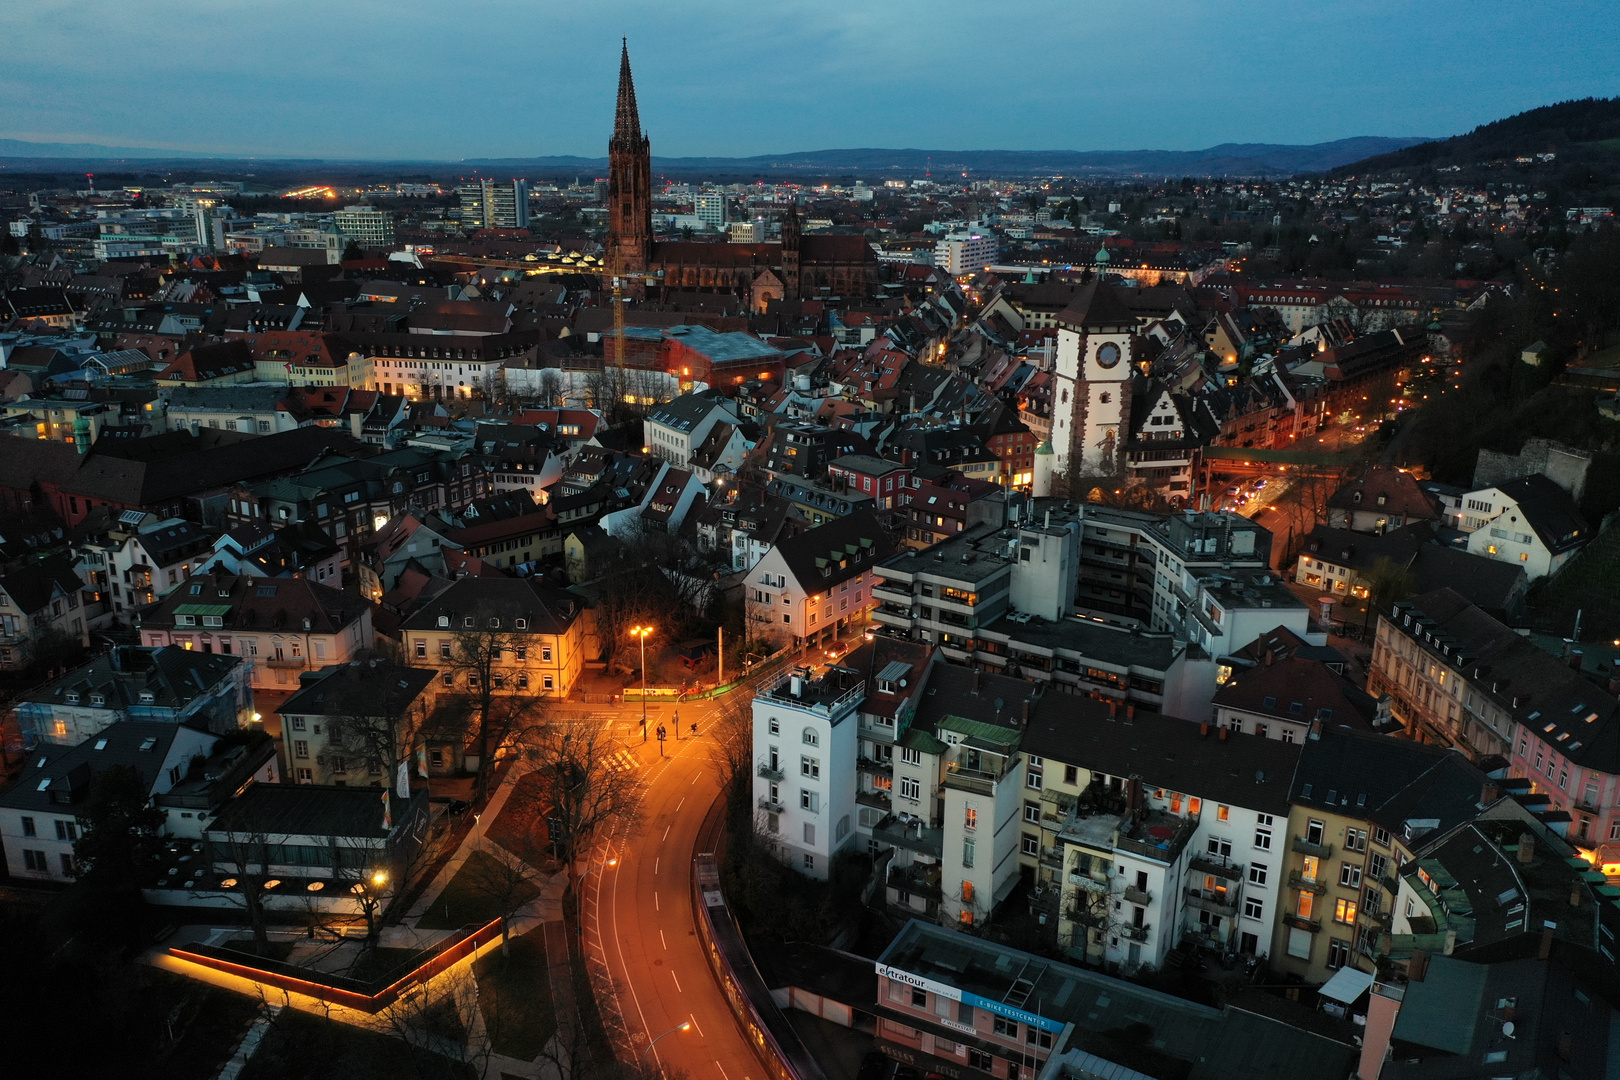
641	632
681	1027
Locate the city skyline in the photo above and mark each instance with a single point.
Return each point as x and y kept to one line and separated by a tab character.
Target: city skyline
527	81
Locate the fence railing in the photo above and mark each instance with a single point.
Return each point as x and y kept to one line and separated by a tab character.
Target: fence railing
777	1044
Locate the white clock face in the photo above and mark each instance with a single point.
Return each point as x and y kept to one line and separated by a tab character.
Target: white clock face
1107	355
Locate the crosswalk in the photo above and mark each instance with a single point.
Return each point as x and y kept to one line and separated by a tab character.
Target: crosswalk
623	761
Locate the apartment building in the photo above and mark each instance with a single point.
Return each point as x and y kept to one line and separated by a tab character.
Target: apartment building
966	1007
808	588
966	251
143	557
541	630
803	725
1531	521
366	225
354	724
39	599
1142	830
279	626
490	204
39	815
129	682
1360	806
1459	678
675	429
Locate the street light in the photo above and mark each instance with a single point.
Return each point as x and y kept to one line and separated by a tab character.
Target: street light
681	1027
641	633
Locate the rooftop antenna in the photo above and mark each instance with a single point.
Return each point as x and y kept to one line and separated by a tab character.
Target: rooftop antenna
1576	636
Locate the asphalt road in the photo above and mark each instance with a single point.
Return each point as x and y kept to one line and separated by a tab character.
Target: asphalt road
638	915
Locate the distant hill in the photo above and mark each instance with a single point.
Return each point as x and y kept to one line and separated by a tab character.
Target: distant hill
1589	127
17	148
1227	159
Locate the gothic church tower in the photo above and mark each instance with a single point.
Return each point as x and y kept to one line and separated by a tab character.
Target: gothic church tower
630	233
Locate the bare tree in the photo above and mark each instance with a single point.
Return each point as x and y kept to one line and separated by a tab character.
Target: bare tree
380	711
503	715
248	856
440	1017
731	728
582	789
507	880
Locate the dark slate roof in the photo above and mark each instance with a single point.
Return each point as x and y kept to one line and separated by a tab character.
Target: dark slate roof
1165	751
306	810
120	744
344	689
32	585
1386	781
1300	690
1361	551
685	412
1097	305
1554	702
156	480
1403	495
1550	511
173	675
843	547
548	610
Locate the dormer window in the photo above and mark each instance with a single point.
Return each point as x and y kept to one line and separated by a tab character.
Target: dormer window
467	622
98	699
494	624
72	697
185	620
523	624
444	620
1355	496
148	697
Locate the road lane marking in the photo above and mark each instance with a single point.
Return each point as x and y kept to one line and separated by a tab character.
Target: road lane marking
655	903
678	989
680	804
722	1069
666	832
661	940
655	865
697	1029
696	775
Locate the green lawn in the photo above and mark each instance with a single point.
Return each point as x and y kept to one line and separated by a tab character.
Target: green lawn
465	901
515	997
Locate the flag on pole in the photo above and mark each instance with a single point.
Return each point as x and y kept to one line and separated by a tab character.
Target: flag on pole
403	784
388	813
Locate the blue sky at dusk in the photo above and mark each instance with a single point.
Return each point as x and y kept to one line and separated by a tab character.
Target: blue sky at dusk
518	78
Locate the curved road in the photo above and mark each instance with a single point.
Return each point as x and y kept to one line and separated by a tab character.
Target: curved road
639	922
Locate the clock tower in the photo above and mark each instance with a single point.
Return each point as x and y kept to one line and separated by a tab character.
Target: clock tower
1091	389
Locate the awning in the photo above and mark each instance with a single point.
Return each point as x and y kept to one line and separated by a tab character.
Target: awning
1347	985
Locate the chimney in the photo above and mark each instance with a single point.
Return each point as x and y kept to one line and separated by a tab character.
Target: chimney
1223	734
1316	729
1203	729
1417	968
1527	849
356	424
1575	658
1489	794
1575	895
1269	657
1544	950
1451	942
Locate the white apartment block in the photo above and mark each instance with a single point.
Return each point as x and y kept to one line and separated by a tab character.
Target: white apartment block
804	777
966	251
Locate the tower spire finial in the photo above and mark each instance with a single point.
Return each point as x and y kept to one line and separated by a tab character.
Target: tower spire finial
627	121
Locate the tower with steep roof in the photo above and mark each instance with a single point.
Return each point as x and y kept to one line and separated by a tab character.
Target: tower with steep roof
791	237
630	234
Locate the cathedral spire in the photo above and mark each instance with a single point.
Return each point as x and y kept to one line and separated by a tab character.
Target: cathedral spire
627	122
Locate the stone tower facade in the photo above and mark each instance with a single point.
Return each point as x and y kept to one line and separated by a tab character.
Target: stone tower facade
630	232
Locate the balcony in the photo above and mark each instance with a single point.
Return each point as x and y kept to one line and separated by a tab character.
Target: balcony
1138	896
1220	866
876	768
770	805
1135	933
766	772
1214	901
1297	880
917	880
1052	858
902	831
1089	883
900	594
1300	922
1306	847
970	780
873	799
284	661
892	615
